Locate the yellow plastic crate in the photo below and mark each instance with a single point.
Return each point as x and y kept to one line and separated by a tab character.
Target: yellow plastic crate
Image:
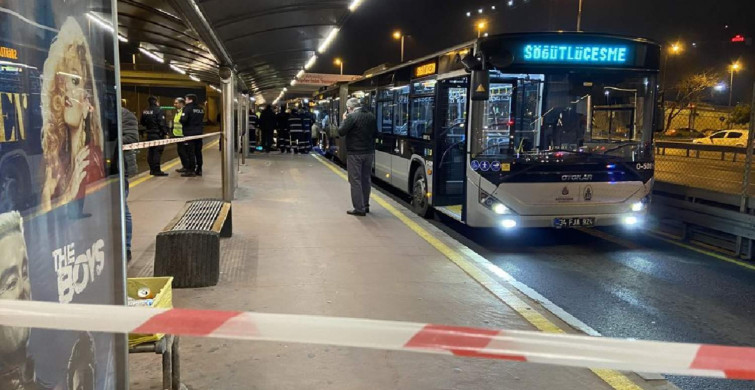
162	287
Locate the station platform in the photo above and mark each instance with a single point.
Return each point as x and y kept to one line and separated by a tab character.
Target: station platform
294	250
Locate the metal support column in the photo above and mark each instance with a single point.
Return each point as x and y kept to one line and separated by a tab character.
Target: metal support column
247	136
228	83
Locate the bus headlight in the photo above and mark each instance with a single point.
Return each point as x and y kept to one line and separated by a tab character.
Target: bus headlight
493	204
499	208
631	220
508	223
637	207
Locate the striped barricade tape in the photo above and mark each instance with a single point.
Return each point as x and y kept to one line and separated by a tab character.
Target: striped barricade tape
160	142
523	346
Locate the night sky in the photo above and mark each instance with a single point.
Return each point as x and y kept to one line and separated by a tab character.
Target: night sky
365	40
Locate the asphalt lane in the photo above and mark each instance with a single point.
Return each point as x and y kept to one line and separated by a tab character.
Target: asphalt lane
633	286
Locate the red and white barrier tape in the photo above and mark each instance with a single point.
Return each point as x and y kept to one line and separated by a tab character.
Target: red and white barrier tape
159	142
523	346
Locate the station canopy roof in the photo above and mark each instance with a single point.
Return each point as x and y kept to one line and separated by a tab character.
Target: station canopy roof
268	41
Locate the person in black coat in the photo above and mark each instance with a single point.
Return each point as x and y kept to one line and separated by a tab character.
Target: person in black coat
153	119
284	135
267	124
192	119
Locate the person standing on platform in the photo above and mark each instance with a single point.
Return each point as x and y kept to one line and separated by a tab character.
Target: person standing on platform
306	124
253	133
178	132
153	120
130	135
267	124
296	131
284	137
360	129
192	119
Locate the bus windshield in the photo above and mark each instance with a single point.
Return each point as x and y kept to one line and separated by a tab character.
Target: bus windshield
570	115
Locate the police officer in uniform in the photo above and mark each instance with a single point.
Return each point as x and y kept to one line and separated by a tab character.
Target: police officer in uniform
253	133
296	130
153	120
284	137
192	119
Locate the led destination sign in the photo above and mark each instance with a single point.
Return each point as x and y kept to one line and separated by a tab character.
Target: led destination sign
583	54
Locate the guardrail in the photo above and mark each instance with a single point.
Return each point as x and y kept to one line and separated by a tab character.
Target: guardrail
693	150
705	193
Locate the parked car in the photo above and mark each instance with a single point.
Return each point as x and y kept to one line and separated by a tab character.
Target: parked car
682	133
733	137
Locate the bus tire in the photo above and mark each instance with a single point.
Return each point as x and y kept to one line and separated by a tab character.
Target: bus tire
420	202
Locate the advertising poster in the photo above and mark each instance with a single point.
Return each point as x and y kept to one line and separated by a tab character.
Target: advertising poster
60	198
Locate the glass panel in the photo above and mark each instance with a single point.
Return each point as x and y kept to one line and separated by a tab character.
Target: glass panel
734	134
589	113
425	87
401	117
61	192
496	126
385	115
721	134
422	116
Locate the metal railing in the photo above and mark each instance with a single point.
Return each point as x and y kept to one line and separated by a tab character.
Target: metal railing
710	167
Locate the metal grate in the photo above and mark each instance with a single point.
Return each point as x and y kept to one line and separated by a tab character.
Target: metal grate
201	215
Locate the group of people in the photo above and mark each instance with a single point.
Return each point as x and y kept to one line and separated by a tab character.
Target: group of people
188	121
293	128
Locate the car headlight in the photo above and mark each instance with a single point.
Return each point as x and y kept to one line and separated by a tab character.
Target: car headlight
490	202
639	206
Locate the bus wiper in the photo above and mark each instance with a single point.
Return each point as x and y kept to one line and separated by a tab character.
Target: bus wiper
619	147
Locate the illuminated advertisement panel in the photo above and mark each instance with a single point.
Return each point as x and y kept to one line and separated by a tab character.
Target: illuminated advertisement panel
60	194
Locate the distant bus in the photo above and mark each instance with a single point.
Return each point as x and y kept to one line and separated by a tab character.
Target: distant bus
520	130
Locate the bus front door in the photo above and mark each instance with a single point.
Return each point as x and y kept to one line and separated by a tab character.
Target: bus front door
450	147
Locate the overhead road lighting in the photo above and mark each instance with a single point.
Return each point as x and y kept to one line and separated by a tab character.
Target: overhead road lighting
328	40
195	78
154	56
310	62
354	5
177	69
98	20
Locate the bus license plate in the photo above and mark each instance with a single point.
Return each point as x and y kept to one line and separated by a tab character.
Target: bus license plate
574	222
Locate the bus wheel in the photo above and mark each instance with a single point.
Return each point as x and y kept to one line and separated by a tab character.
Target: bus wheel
420	203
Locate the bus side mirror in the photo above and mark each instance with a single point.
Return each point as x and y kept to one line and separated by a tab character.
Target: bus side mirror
660	115
480	85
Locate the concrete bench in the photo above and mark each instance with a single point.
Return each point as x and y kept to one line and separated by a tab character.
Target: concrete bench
188	248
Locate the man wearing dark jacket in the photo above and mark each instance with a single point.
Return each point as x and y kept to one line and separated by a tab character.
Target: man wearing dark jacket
192	119
360	129
153	120
130	134
267	123
284	135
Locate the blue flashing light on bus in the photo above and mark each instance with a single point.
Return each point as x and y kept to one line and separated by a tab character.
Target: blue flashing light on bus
598	54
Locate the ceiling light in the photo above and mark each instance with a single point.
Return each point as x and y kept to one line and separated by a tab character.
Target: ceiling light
293	82
301	73
354	5
331	36
154	56
177	69
311	62
195	78
98	20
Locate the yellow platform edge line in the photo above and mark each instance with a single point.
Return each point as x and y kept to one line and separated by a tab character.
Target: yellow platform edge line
613	378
